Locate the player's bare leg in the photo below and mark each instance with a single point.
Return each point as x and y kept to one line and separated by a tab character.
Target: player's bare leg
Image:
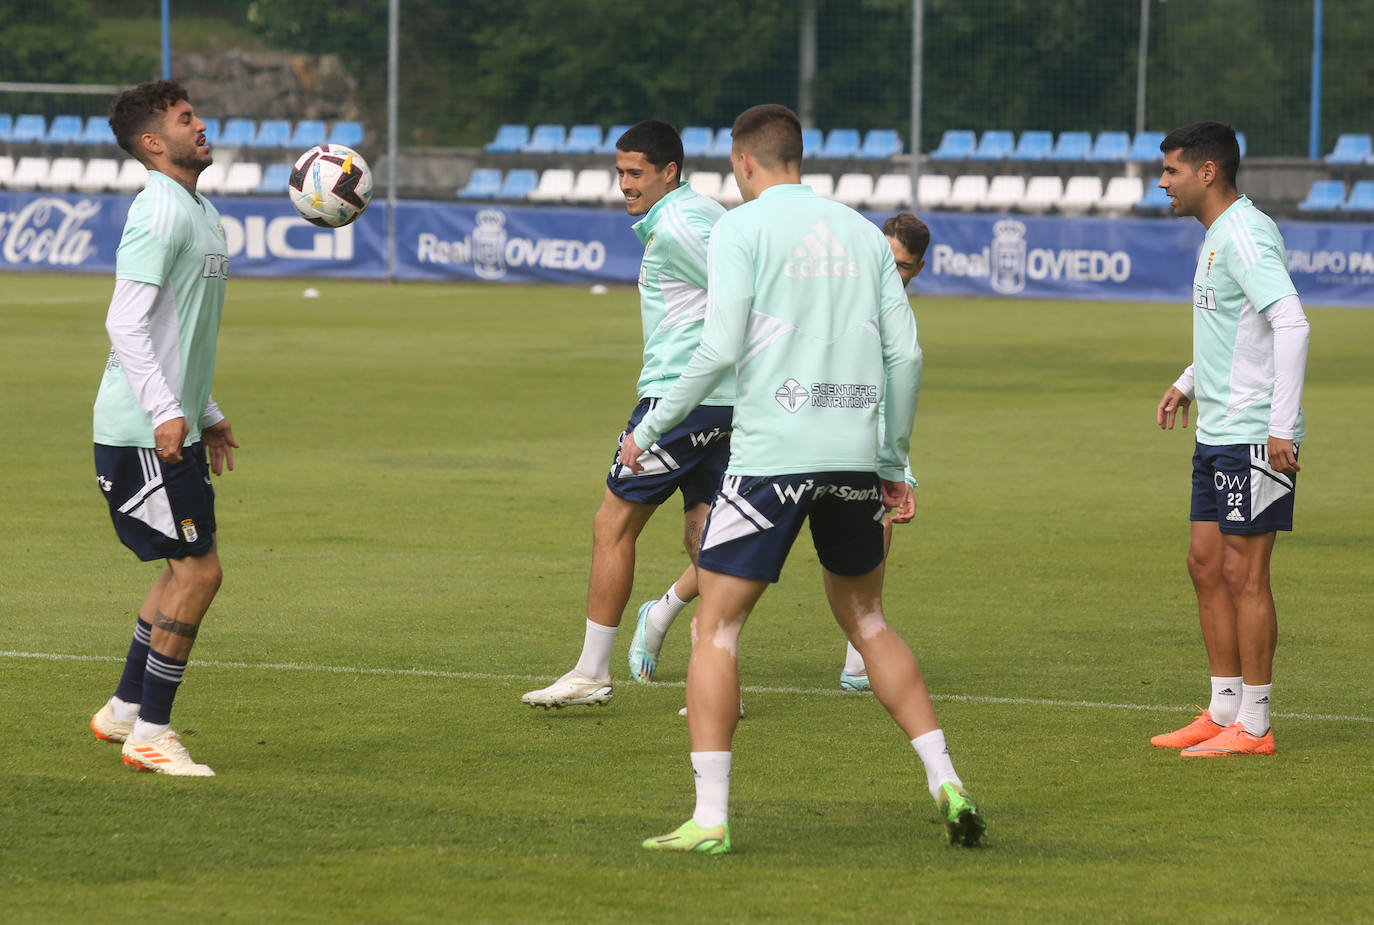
854	674
654	618
713	669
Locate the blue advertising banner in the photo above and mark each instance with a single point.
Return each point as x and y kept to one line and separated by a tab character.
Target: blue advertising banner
1054	257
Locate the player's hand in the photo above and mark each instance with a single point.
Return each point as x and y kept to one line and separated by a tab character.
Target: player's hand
1283	456
629	454
900	500
219	440
1173	402
168	438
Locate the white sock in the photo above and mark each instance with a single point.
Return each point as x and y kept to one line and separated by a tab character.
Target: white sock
595	661
1225	700
853	661
1254	708
712	773
124	712
661	616
144	730
934	754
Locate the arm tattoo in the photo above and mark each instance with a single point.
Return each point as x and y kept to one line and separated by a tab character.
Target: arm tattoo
175	627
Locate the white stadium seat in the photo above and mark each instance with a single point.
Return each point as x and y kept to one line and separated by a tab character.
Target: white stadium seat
30	173
64	173
1121	195
968	192
1005	193
729	191
133	176
591	185
1080	194
1042	194
932	191
705	183
211	180
6	170
242	177
100	174
555	185
854	189
892	191
822	184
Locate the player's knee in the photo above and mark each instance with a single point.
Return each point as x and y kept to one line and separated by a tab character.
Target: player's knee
1203	568
869	625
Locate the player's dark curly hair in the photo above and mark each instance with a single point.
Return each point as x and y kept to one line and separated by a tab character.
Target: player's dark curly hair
136	108
658	141
1200	142
910	232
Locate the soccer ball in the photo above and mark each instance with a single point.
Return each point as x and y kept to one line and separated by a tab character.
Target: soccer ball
330	185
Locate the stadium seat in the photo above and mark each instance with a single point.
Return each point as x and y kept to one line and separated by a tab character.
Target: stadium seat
841	144
518	184
724	140
729	191
1361	197
30	173
854	189
1324	196
955	145
133	176
932	191
307	134
64	173
211	133
65	130
1121	195
967	192
510	139
1351	149
582	139
591	185
6	126
346	132
1110	146
242	177
1080	195
612	136
1033	146
1072	146
555	185
6	170
696	140
1145	148
994	145
1154	200
1005	193
274	180
211	180
704	182
891	191
28	129
546	139
484	183
237	133
1240	142
822	184
881	144
272	133
812	139
1042	194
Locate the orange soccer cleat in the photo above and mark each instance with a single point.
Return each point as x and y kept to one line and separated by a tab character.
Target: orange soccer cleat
1233	740
1202	728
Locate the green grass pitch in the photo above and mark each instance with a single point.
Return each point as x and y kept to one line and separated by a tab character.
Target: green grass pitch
406	544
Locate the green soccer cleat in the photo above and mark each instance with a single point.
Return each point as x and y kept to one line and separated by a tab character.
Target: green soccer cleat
691	837
643	661
963	825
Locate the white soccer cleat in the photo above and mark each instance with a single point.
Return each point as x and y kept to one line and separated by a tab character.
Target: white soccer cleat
109	729
571	690
164	754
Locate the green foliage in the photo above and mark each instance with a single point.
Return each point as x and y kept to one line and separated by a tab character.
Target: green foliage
62	43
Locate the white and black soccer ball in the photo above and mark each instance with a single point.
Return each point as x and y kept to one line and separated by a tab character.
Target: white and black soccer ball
330	185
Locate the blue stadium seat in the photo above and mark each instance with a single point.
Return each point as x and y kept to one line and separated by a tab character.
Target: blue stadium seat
812	139
841	143
955	145
546	139
518	184
1145	148
612	136
1324	196
881	144
1240	140
696	140
307	134
1033	146
273	133
65	130
237	133
724	140
1361	197
1110	146
994	145
93	127
6	126
509	139
485	183
29	128
1154	200
1351	149
1072	146
582	139
274	179
346	132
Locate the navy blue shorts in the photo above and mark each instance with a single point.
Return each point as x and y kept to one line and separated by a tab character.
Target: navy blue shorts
690	457
755	519
160	510
1234	488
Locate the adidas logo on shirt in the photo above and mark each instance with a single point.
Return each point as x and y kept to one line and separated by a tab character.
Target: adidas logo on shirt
1235	516
820	255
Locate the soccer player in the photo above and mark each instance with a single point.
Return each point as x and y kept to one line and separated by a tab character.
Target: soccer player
806	306
691	457
1250	340
155	421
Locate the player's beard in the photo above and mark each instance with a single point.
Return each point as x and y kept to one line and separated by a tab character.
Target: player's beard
190	158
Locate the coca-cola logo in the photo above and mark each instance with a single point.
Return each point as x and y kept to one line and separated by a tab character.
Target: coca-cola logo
48	230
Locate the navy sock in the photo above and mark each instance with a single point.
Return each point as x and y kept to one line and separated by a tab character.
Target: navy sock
130	689
160	683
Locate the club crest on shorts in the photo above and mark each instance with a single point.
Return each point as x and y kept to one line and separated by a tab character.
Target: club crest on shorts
188	530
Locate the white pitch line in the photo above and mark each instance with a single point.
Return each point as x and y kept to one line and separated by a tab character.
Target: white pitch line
748	689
